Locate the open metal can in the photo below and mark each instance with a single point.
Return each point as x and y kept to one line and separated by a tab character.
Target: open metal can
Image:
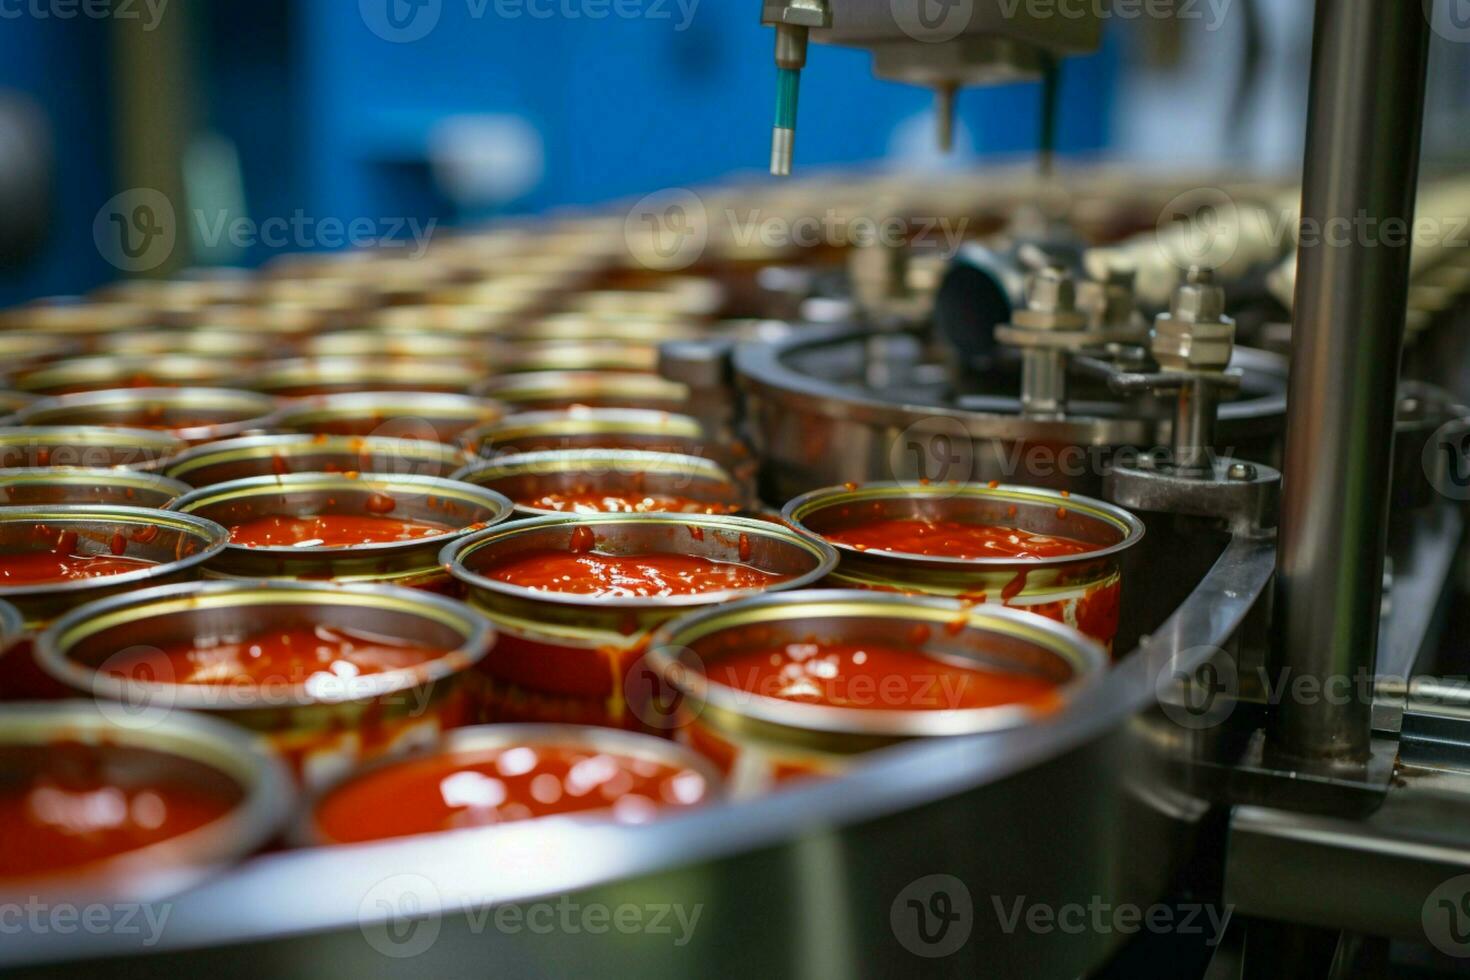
134	650
761	739
237	459
194	415
22	351
592	481
70	485
87	447
589	428
237	789
563	656
440	510
307	376
594	355
533	391
370	804
420	415
213	343
1082	590
155	547
103	372
379	344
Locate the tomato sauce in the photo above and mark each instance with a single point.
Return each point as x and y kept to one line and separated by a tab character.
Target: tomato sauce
872	676
330	531
315	656
62	562
650	576
67	804
493	786
625	503
955	539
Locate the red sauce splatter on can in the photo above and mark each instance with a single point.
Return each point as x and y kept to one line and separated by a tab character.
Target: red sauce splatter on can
582	540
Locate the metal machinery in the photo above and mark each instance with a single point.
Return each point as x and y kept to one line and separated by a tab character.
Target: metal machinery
1279	752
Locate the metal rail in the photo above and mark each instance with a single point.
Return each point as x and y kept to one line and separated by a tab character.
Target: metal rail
1362	164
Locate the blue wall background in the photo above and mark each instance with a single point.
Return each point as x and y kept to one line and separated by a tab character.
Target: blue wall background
332	119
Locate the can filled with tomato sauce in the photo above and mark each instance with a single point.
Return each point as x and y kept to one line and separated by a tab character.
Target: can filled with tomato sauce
331	675
103	372
55	558
533	391
195	415
1044	551
278	455
368	527
69	485
608	481
590	428
308	376
184	796
800	685
574	599
87	447
509	773
423	415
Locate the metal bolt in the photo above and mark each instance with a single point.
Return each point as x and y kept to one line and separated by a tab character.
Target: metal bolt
1242	472
1051	291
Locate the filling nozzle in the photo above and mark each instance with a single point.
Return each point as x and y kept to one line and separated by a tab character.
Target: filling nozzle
793	21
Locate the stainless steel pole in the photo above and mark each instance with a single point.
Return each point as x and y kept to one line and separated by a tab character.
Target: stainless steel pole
1364	124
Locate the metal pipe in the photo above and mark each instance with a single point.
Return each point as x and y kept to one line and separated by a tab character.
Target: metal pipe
1364	123
1194	427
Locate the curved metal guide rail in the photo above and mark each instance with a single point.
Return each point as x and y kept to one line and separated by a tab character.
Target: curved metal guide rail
832	878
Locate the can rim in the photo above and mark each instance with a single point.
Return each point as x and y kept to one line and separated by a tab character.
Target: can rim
253	447
453	555
259	486
54	643
479	738
268	799
115	476
550	462
93	435
256	409
441	404
213	535
1084	655
1129	524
